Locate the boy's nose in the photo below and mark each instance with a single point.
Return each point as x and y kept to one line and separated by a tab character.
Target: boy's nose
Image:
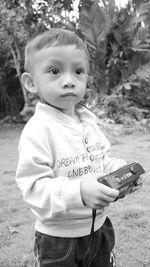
69	85
68	82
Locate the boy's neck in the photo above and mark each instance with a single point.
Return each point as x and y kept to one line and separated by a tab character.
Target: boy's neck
70	113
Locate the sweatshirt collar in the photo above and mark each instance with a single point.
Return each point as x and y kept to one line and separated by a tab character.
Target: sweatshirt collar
83	113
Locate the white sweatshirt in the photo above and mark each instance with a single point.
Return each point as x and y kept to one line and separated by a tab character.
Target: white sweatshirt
55	154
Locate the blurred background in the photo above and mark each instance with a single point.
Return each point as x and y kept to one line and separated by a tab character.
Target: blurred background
117	33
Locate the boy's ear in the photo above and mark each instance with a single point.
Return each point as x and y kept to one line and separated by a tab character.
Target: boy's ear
28	82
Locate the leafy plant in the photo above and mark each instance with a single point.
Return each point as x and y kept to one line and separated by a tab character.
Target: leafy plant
95	21
129	43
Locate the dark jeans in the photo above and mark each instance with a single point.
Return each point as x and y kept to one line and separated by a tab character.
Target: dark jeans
76	252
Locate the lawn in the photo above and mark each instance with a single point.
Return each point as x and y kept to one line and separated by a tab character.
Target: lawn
130	216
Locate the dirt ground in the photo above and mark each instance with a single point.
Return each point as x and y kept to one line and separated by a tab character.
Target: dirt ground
130	216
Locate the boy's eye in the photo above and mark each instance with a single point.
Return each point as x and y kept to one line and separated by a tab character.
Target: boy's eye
55	71
79	71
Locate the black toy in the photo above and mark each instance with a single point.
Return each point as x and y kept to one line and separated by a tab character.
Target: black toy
124	179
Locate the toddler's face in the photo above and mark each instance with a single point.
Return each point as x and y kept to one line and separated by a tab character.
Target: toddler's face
60	75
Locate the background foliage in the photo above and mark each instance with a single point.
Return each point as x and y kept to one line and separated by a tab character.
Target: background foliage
119	45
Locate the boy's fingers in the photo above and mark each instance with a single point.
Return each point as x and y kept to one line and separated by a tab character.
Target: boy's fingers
110	192
107	198
140	181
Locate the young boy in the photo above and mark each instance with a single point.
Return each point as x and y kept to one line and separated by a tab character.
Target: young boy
62	153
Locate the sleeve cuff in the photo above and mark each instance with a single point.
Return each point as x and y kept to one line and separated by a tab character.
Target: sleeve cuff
71	194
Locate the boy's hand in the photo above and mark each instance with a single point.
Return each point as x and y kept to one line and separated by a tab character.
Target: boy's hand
96	195
137	186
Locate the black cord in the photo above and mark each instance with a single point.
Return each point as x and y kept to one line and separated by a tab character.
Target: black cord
93	221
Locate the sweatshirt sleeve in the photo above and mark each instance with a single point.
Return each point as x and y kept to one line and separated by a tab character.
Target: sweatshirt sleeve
110	164
36	179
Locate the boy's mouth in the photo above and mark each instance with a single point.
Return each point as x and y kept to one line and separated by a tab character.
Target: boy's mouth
68	94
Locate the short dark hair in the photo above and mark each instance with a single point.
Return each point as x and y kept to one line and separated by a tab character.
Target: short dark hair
50	38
